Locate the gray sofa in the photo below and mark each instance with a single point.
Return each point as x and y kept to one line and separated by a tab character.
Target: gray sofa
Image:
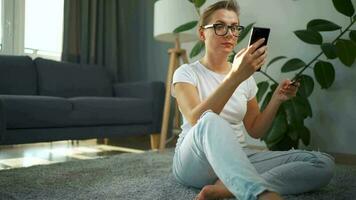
43	100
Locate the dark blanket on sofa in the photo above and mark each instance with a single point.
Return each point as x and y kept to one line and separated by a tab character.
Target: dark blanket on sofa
130	176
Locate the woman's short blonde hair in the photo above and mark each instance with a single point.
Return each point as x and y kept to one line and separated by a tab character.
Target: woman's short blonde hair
208	12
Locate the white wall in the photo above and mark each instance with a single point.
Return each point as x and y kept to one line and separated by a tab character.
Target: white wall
334	121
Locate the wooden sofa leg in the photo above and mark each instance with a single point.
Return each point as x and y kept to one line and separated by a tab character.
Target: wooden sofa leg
155	137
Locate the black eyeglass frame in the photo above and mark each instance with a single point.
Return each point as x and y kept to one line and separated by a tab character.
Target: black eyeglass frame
238	28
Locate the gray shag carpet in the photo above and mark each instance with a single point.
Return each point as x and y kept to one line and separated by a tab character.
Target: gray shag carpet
130	176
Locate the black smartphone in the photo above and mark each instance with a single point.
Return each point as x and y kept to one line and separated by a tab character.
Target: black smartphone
258	33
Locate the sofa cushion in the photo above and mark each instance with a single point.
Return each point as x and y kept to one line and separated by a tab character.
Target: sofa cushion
17	75
26	111
63	79
91	111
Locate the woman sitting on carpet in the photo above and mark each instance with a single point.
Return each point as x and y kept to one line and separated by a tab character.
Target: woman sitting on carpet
217	99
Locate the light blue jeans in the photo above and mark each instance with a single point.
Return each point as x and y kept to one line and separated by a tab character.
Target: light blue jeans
211	151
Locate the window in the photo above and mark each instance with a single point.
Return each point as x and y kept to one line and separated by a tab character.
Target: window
33	27
44	28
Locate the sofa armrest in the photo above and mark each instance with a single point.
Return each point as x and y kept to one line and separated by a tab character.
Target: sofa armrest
154	91
2	120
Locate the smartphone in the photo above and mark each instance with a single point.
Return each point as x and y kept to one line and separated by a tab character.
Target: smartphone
258	33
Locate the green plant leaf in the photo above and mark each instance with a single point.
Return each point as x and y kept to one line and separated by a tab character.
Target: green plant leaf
324	73
231	57
266	100
284	145
278	128
191	1
292	65
353	35
304	134
294	116
309	36
306	109
199	3
198	47
322	25
346	51
344	6
329	50
245	32
262	89
275	60
273	87
268	96
306	86
185	27
293	133
302	109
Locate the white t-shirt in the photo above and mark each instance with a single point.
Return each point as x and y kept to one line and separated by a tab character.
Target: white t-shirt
206	82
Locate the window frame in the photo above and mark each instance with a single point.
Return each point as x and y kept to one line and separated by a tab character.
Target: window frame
13	26
13	16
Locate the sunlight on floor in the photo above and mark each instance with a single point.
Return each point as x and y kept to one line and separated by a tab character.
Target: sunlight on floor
26	155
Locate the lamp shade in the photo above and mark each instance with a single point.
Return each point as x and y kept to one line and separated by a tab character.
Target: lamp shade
168	15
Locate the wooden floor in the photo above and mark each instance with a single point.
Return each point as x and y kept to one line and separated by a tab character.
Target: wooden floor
25	155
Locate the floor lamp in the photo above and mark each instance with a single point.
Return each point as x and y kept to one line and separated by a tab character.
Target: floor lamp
168	15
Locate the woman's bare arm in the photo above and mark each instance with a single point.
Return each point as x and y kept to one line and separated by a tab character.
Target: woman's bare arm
246	62
257	123
190	104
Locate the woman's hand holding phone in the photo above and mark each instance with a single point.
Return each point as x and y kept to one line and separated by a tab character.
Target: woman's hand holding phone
248	60
258	33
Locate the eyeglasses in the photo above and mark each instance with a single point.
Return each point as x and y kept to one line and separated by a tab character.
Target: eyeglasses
222	29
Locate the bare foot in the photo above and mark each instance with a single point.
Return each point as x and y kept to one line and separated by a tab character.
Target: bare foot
269	196
210	192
